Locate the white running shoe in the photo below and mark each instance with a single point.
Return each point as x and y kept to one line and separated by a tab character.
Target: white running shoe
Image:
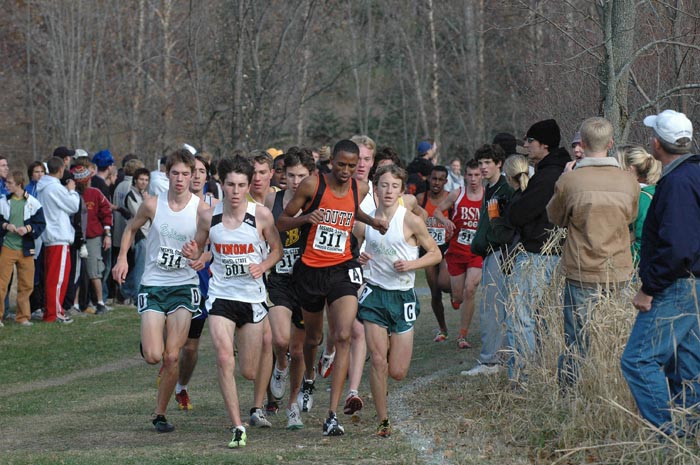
325	364
278	382
482	369
305	399
257	418
294	418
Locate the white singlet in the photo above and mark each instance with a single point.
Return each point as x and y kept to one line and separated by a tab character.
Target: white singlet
234	250
165	265
385	250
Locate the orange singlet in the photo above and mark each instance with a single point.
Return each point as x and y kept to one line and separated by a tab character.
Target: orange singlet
328	243
435	228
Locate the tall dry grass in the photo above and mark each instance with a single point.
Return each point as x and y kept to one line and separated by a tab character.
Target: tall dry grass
597	421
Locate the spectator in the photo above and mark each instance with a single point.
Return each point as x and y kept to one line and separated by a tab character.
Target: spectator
98	237
324	160
4	171
534	267
661	362
35	171
122	215
22	221
596	204
455	180
159	180
59	202
647	170
419	169
134	199
64	154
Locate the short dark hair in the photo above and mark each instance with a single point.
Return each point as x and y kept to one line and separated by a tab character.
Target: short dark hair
347	146
296	156
54	164
474	164
237	164
440	169
204	162
490	151
32	165
140	172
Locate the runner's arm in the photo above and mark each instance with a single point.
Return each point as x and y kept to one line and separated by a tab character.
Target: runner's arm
288	219
145	212
416	227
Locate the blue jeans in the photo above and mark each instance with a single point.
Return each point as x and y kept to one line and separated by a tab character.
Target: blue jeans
130	288
532	274
661	362
492	308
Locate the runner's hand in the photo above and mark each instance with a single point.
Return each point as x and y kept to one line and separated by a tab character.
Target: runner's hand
190	249
314	217
256	270
364	258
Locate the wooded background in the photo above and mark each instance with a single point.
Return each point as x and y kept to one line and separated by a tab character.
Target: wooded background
143	76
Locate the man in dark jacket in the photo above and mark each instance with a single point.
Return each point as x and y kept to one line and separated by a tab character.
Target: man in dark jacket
534	266
662	359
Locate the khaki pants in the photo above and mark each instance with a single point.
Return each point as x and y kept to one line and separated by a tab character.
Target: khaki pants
25	280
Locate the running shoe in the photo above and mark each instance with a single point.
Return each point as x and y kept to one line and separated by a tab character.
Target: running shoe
353	403
305	399
455	304
482	369
272	407
331	427
162	425
325	364
239	438
384	429
183	400
440	336
100	309
462	343
278	382
257	418
294	418
65	320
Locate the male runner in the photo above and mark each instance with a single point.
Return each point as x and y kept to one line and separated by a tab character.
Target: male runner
238	231
463	265
327	272
169	295
436	276
388	303
285	315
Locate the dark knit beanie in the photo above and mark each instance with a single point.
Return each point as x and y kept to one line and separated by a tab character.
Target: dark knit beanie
546	132
506	141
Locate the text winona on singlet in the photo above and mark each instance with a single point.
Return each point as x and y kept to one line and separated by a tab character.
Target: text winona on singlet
233	251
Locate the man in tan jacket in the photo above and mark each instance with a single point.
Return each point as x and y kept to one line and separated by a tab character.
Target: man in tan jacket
596	202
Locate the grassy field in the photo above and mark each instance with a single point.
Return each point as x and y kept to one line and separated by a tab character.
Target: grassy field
81	394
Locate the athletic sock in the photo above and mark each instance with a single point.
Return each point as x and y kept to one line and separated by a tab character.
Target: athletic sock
179	387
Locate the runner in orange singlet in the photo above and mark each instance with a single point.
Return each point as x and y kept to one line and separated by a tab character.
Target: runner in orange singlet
327	272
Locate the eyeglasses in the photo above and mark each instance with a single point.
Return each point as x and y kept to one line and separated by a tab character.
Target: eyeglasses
529	140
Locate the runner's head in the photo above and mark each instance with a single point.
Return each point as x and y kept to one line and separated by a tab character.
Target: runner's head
366	159
298	164
236	174
179	167
262	172
438	179
344	160
199	175
472	176
390	182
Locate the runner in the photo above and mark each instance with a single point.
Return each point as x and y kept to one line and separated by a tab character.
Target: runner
286	319
190	351
437	277
238	231
327	272
463	265
388	303
166	308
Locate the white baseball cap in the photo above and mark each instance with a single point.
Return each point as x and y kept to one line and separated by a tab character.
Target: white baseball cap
80	153
670	125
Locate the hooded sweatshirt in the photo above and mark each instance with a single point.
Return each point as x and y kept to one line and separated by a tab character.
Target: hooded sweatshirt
58	204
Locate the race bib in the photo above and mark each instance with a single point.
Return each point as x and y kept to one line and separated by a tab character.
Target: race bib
170	259
330	239
290	256
355	275
438	234
465	236
364	294
409	311
235	267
